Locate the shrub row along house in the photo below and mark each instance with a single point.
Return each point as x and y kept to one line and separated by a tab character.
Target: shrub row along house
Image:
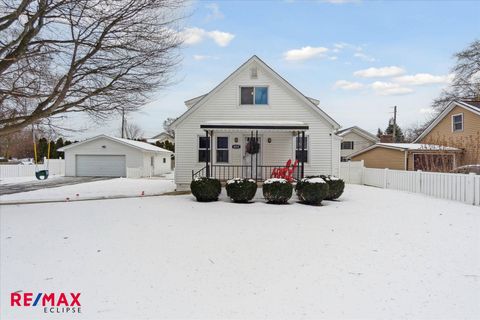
250	124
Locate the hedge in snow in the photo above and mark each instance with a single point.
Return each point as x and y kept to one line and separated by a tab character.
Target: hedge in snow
312	190
241	190
206	189
277	191
336	187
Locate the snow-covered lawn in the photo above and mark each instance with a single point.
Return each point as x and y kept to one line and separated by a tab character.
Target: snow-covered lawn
98	189
377	253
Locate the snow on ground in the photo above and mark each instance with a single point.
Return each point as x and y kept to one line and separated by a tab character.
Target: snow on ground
97	189
377	253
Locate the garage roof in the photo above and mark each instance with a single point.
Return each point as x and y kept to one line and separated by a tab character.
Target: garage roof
132	143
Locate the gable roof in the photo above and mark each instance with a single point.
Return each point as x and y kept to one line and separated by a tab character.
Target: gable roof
202	99
367	135
131	143
161	135
406	147
473	106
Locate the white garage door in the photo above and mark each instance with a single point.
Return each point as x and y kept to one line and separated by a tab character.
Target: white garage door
100	166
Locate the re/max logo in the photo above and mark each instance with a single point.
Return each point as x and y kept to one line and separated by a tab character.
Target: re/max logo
28	299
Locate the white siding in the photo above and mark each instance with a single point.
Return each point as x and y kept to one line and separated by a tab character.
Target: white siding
283	105
359	143
135	158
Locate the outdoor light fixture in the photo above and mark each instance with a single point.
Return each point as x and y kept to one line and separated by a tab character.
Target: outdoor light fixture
104	147
269	140
236	139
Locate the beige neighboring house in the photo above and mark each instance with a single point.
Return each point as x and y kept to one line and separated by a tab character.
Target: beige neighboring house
409	156
458	125
355	139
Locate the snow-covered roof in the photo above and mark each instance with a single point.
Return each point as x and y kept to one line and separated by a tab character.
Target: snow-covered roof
367	135
473	106
407	147
132	143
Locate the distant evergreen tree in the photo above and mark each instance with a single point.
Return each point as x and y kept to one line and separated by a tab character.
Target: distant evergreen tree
399	136
379	133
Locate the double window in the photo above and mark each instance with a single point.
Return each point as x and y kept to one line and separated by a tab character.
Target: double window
254	95
203	145
457	122
222	149
204	149
299	154
347	145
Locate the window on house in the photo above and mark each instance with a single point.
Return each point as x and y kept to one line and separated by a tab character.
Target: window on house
152	161
347	145
203	144
343	159
457	122
253	95
298	149
164	160
222	149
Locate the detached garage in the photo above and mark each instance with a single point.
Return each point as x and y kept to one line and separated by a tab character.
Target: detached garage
106	156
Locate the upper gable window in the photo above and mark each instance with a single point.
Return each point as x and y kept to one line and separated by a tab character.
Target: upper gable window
253	95
457	122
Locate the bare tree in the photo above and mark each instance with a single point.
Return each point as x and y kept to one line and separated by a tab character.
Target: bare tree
466	81
132	131
166	126
94	56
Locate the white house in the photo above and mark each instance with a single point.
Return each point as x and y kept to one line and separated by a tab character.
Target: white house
162	137
251	123
355	139
106	156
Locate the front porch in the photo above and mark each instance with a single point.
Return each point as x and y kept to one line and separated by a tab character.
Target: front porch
253	149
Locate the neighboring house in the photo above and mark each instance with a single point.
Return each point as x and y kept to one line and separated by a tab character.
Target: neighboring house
162	137
458	125
251	123
409	156
354	140
108	156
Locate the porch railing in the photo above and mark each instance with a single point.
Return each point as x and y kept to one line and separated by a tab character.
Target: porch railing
226	172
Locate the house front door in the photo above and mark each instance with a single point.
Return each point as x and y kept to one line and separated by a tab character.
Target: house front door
252	156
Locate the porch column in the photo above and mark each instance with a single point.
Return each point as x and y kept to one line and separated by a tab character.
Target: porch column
251	154
207	155
303	155
256	157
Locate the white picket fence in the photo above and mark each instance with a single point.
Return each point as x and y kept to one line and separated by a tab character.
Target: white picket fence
451	186
55	167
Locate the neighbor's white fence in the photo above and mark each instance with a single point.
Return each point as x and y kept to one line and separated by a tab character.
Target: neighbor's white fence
452	186
55	167
140	172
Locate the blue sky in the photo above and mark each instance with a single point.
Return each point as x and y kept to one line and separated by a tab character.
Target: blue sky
359	58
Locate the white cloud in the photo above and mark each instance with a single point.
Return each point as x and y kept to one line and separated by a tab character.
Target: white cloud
364	56
305	53
196	35
341	1
389	88
379	72
200	57
215	13
223	39
348	85
422	79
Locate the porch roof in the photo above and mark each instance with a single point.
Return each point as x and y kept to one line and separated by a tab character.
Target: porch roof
255	124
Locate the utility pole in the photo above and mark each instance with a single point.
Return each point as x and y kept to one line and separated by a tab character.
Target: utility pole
123	123
394	133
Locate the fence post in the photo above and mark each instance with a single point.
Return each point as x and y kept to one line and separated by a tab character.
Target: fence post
385	178
418	181
362	177
470	190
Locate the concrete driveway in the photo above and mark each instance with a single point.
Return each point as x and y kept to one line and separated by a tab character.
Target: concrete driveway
44	184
